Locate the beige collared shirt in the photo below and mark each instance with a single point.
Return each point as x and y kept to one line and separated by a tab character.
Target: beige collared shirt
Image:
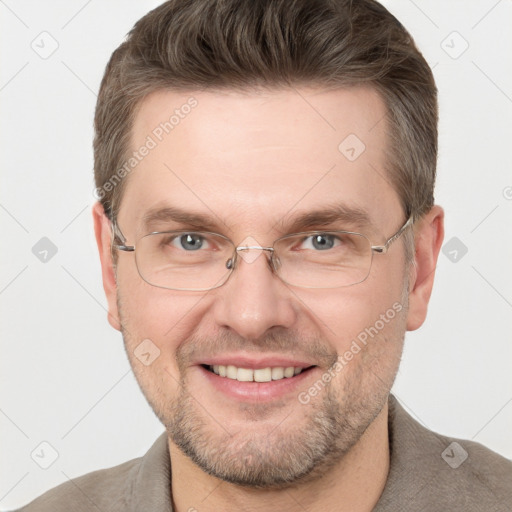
428	472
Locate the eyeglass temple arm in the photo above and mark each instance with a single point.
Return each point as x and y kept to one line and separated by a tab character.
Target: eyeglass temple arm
382	249
116	233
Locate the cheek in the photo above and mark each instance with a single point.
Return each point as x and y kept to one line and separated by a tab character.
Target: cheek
347	314
152	311
164	317
367	332
155	323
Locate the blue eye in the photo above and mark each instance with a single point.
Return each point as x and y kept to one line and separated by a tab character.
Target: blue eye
189	242
320	242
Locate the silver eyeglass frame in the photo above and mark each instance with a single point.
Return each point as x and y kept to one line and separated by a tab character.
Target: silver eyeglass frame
231	262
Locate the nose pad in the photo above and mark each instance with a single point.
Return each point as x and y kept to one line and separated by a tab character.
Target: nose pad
274	262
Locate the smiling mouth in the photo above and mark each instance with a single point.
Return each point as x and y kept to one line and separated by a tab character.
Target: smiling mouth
256	375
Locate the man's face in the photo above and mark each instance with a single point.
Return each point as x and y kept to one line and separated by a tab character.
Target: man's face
251	165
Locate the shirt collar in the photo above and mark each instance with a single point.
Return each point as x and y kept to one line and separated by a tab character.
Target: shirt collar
410	472
151	484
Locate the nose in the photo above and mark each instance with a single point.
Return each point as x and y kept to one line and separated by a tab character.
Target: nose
254	300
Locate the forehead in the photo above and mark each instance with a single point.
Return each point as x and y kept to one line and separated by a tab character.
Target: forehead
256	159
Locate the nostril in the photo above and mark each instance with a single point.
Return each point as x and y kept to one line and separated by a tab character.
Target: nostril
229	264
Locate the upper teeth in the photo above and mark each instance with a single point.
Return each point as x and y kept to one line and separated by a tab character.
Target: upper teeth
259	375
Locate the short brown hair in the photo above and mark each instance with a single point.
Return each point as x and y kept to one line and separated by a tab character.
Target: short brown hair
242	44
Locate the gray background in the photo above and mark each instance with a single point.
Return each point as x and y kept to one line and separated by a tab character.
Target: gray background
65	379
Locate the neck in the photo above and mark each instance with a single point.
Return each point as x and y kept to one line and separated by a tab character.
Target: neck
354	484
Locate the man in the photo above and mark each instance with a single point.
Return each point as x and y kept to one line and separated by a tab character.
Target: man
267	232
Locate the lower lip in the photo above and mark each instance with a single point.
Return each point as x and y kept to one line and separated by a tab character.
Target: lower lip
258	391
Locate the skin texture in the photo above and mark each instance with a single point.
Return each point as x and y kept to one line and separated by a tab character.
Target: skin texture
251	162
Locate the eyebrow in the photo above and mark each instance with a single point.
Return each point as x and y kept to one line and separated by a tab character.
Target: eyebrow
341	216
172	214
337	216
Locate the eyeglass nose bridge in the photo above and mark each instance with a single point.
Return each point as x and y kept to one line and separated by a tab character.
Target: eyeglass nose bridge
231	263
255	247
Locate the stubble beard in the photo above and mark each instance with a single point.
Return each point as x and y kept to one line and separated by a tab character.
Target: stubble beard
284	454
279	456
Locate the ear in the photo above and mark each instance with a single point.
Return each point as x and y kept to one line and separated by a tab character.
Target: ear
428	236
103	231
